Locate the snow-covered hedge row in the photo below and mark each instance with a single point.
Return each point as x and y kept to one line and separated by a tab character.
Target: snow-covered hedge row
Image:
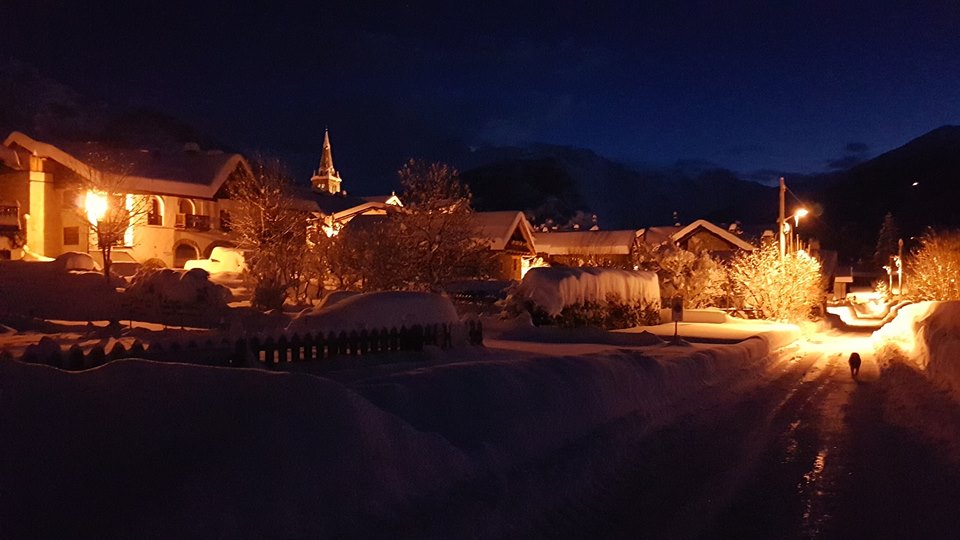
603	297
926	334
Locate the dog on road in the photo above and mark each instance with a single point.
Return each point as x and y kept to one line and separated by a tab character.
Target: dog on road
854	364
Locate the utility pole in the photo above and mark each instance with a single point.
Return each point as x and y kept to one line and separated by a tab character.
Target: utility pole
780	219
900	267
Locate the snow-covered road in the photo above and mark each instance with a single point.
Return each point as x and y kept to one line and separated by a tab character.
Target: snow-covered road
813	453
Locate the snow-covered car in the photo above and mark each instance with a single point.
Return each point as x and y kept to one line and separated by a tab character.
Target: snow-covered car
222	259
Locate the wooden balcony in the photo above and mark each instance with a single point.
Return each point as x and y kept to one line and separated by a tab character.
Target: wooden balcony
193	222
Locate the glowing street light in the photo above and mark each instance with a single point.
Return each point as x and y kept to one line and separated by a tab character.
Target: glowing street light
801	212
96	206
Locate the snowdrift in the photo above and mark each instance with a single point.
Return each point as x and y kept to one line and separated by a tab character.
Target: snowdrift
140	449
375	311
926	334
52	290
554	288
144	449
505	412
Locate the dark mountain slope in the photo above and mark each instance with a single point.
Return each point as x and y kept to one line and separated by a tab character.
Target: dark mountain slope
552	181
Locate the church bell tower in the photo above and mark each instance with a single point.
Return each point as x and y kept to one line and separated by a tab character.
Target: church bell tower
326	179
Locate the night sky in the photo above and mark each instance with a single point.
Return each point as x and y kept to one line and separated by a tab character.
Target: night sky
747	85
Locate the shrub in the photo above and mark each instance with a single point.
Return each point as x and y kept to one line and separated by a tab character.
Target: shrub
934	267
612	314
787	289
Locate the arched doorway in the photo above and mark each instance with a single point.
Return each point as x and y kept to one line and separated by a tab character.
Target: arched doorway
183	252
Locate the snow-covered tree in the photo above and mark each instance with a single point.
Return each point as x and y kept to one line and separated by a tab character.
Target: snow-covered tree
698	277
272	230
438	241
368	255
785	290
933	271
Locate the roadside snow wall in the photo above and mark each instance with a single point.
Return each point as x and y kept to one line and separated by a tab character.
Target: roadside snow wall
927	335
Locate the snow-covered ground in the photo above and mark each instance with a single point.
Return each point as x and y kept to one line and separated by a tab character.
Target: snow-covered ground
139	448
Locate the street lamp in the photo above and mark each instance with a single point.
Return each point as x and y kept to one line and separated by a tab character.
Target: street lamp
801	212
789	232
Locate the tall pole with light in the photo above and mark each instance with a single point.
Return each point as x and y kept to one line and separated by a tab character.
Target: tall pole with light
900	267
780	219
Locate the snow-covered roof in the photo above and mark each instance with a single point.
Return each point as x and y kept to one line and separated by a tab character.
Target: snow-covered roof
500	227
342	207
182	173
587	242
384	199
718	231
658	235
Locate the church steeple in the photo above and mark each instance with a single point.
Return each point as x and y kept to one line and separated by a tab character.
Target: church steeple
326	178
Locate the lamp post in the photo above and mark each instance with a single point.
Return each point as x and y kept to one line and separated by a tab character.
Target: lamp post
900	267
789	231
782	222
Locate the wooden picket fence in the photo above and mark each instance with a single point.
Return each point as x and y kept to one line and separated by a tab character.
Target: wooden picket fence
271	351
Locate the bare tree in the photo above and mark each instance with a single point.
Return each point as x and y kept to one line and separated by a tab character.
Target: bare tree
439	238
369	254
108	207
273	231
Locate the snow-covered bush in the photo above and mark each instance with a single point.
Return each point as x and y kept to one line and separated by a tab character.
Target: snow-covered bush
176	288
697	277
783	290
603	297
933	267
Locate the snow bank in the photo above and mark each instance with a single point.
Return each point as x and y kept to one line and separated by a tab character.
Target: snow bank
554	288
175	450
50	290
335	297
507	411
374	311
142	449
926	334
734	329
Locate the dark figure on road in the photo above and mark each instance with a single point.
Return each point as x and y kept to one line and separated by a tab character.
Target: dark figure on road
854	364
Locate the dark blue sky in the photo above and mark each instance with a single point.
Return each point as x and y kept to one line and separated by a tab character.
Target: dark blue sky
747	85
